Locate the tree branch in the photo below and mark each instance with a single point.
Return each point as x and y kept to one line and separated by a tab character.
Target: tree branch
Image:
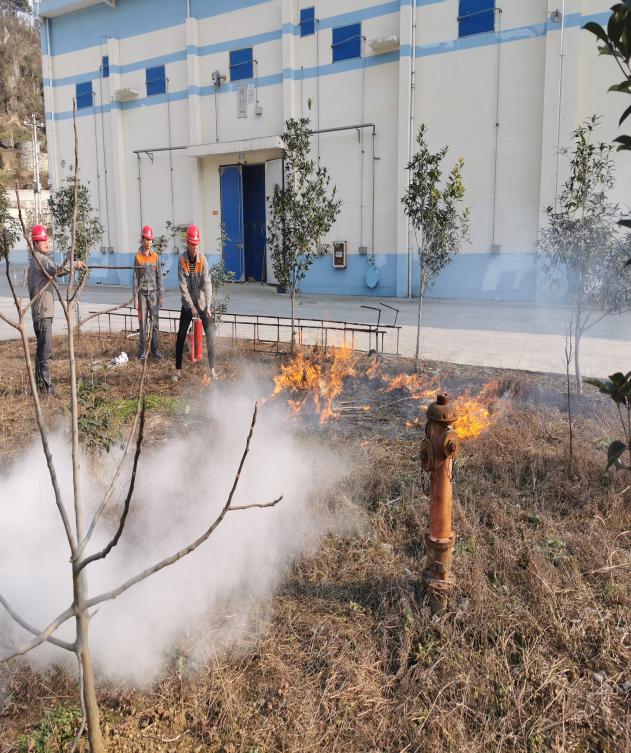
251	507
105	311
106	550
109	595
31	629
13	293
42	637
44	437
110	489
591	324
8	321
73	226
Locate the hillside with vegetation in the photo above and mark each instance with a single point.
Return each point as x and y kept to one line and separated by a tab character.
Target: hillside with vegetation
21	92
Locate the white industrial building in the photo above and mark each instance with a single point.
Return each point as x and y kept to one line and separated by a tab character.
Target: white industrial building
181	103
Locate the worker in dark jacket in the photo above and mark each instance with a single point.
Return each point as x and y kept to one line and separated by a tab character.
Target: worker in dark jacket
148	293
196	291
41	269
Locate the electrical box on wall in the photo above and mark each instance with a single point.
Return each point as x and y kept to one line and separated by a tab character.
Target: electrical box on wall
339	254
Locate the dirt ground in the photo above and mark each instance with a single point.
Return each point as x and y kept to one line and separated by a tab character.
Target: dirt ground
533	654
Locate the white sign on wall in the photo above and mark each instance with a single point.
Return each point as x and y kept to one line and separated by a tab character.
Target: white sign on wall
242	105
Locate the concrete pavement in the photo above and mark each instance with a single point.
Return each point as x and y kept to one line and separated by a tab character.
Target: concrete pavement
517	336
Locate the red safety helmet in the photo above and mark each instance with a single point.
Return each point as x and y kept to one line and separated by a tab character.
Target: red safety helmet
192	235
38	233
147	232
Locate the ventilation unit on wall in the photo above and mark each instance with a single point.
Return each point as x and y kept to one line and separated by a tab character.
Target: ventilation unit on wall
339	254
125	95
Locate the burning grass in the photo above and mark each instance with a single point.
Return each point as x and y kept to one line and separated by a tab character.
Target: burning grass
534	654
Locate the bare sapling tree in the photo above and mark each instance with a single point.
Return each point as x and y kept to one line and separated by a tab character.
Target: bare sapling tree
569	353
435	208
78	532
302	211
581	244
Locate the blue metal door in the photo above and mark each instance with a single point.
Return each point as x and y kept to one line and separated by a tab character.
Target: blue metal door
231	186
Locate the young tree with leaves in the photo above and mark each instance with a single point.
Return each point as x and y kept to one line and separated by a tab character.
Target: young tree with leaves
440	222
302	211
617	44
581	241
9	225
88	227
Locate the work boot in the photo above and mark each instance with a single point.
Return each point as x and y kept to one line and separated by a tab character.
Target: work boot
213	374
177	376
158	356
142	356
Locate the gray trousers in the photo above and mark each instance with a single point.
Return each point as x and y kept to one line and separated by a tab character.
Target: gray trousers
44	335
148	316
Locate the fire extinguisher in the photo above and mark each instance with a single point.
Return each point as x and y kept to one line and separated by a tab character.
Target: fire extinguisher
195	341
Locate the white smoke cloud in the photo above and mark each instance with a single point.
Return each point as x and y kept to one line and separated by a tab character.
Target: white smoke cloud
181	485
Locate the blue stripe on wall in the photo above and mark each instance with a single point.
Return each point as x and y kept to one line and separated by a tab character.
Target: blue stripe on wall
510	35
262	81
470	276
87	27
482	40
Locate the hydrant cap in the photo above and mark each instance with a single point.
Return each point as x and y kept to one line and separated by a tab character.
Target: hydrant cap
442	411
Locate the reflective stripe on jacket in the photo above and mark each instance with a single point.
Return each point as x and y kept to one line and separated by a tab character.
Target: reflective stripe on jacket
147	274
195	284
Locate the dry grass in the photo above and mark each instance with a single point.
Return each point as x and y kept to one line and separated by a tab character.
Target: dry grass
533	655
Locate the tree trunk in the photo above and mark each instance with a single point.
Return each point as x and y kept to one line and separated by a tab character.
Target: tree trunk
419	314
292	346
90	704
577	345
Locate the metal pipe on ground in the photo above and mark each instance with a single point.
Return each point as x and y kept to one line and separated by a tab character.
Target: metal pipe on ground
438	451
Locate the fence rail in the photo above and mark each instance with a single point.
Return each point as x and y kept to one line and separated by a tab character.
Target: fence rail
270	332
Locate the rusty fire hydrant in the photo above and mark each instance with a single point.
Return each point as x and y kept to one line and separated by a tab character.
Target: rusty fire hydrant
438	450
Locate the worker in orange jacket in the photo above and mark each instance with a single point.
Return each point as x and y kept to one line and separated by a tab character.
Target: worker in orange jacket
148	293
196	292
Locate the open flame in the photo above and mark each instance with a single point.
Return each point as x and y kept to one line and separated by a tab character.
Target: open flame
474	413
319	377
474	417
420	388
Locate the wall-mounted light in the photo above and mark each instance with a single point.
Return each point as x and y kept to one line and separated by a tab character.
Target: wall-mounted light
384	44
217	78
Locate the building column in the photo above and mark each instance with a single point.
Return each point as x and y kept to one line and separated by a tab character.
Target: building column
119	160
289	20
49	105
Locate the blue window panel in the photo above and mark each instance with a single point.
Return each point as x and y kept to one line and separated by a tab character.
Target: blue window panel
156	81
307	22
241	64
105	66
347	42
476	17
84	95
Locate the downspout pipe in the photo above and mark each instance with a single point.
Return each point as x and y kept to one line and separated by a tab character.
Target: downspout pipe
560	104
52	179
411	137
